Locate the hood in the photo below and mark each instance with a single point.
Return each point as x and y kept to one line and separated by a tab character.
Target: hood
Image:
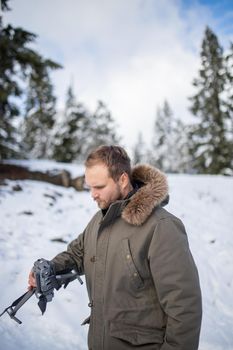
153	192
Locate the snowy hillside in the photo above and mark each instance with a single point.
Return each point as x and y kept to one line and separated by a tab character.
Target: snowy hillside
32	218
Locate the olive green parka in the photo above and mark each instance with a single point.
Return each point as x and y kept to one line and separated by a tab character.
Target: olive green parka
141	278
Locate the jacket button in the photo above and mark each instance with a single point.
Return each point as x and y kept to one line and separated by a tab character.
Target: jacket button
127	256
93	259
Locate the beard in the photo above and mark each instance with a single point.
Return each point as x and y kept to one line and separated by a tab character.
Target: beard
105	204
102	204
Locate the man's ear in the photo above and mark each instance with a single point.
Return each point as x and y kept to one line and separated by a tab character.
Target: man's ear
124	180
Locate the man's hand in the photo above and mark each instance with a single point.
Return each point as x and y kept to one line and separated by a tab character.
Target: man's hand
31	281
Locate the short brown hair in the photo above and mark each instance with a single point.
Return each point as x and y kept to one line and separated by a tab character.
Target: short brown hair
114	157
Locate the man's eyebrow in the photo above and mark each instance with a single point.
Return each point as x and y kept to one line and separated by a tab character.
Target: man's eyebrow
99	186
95	186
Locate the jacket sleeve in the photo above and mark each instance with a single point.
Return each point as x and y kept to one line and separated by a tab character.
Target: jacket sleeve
177	284
72	258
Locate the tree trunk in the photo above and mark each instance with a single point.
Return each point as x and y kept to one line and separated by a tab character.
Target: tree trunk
59	178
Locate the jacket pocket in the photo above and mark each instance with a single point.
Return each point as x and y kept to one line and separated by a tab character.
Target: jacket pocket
134	275
136	335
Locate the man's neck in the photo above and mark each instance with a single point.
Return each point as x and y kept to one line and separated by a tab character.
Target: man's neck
128	191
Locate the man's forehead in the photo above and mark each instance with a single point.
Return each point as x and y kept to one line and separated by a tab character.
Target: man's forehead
97	173
99	168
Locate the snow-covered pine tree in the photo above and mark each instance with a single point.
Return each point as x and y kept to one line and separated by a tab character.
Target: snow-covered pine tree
102	129
69	138
228	102
159	137
209	145
139	150
40	111
18	62
15	58
168	141
181	161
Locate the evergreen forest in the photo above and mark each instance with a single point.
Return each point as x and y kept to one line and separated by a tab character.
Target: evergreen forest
32	127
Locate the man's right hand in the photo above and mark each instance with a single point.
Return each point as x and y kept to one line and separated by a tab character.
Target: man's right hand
31	281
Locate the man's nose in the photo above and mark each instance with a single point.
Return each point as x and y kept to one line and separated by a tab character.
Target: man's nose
94	194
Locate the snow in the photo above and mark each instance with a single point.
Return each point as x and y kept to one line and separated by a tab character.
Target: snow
31	218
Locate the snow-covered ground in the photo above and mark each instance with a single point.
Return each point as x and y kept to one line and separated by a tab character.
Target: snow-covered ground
31	218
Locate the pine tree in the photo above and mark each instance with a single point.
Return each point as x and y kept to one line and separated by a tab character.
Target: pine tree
101	129
181	159
15	57
228	100
161	138
40	111
210	148
70	135
139	150
18	61
169	143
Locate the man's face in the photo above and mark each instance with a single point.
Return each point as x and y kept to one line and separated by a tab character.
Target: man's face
104	190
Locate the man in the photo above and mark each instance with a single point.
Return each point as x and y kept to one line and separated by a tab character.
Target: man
141	279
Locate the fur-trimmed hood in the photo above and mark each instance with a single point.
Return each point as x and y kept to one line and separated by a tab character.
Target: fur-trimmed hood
153	192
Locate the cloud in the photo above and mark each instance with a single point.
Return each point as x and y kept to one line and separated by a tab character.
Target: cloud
131	54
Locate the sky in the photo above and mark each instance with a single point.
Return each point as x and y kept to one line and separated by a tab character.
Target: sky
131	54
62	213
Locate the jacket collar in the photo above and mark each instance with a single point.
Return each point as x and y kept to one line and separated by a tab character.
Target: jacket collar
150	191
